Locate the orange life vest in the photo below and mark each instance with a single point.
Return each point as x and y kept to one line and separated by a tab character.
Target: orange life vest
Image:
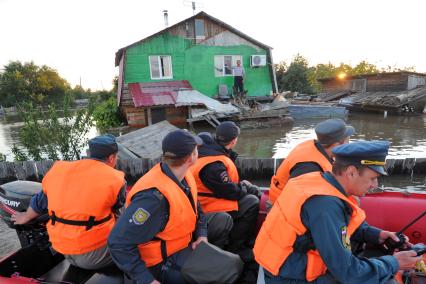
208	202
283	224
304	152
77	192
177	233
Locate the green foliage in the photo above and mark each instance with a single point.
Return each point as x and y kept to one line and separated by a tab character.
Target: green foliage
107	114
28	82
299	77
47	135
295	78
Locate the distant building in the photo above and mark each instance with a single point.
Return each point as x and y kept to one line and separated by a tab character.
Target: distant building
395	81
195	54
396	92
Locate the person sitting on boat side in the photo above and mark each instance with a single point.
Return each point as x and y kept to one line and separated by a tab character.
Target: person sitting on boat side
83	199
311	155
162	222
223	196
306	236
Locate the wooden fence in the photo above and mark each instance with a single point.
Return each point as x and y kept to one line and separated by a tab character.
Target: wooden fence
249	168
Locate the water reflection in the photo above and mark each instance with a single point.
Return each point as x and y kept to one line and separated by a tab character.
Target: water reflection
406	134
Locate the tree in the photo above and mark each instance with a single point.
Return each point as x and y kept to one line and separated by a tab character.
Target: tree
29	82
296	77
47	136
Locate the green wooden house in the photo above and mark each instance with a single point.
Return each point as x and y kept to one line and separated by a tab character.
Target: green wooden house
197	53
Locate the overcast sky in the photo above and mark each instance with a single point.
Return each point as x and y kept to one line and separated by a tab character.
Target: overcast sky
79	38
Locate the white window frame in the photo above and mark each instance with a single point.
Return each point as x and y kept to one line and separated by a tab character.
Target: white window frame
235	57
160	69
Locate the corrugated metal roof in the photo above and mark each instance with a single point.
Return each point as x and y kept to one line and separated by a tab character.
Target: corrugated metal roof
194	97
156	93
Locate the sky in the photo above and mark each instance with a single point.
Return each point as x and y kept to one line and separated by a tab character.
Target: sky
79	38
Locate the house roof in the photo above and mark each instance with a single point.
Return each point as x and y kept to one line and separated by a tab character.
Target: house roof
146	142
156	93
119	53
373	75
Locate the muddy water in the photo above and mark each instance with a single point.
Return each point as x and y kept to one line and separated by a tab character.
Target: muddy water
406	134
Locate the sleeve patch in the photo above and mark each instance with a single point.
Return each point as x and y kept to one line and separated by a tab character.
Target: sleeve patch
140	216
345	238
224	176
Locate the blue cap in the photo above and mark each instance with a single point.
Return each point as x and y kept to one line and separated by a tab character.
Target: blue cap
368	153
102	146
226	131
333	130
180	143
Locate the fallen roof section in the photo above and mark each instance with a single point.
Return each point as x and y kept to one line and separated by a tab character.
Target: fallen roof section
146	142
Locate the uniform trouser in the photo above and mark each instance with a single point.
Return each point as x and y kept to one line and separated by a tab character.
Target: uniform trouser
326	279
95	259
245	219
219	226
170	270
238	84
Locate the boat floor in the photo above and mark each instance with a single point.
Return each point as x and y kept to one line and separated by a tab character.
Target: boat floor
64	272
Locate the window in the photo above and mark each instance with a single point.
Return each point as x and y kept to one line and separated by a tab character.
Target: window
223	64
161	67
199	29
359	85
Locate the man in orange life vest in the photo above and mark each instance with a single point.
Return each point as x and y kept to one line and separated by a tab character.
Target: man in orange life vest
163	221
220	192
311	155
83	198
306	236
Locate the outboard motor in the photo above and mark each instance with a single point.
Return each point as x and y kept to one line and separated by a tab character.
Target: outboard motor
15	197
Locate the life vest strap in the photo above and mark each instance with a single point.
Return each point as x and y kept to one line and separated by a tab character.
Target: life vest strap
88	224
206	194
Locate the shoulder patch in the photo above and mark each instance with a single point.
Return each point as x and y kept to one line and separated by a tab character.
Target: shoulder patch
158	194
224	176
346	242
140	216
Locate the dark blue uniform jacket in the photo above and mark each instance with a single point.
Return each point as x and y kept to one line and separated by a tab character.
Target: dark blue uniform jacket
126	236
326	218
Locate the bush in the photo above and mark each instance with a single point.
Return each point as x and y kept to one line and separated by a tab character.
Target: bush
46	135
107	114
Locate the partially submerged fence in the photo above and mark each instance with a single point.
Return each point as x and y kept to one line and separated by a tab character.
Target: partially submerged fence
249	168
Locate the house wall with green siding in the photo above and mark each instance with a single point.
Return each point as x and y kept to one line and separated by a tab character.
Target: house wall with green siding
195	63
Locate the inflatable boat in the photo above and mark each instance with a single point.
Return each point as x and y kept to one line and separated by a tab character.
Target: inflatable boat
37	262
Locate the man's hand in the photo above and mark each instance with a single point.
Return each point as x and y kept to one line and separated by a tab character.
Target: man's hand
407	259
20	218
251	188
155	282
384	235
198	241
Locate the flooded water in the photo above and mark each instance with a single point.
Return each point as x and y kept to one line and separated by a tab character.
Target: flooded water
406	134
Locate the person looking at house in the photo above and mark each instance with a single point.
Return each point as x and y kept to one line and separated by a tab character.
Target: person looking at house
83	199
163	222
306	236
311	155
238	73
221	192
